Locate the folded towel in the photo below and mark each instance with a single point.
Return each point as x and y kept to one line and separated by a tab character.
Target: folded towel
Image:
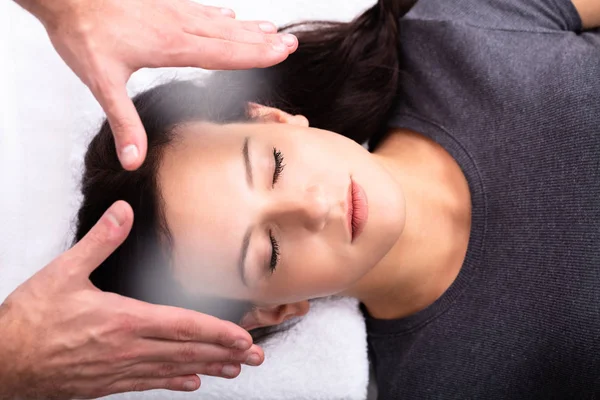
322	357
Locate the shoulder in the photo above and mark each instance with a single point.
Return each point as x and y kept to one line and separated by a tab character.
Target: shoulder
528	15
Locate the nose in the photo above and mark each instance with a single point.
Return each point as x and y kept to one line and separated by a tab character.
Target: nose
310	208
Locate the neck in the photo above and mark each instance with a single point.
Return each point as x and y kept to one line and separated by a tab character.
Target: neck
429	254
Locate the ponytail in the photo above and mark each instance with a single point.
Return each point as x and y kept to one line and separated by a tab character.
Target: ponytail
343	77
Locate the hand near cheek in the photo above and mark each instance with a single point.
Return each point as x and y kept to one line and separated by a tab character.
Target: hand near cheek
105	41
64	338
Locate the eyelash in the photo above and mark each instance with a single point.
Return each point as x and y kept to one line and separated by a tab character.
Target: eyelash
279	165
274	253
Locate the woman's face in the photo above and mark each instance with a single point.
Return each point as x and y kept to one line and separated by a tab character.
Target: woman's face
259	211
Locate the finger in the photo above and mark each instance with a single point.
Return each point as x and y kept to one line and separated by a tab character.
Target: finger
195	24
130	136
257	26
188	383
194	352
171	370
100	242
177	324
200	10
225	55
234	32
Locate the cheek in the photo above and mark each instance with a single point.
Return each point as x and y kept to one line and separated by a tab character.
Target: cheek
323	148
312	267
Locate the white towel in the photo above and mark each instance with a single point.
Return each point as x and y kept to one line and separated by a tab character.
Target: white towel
46	118
323	357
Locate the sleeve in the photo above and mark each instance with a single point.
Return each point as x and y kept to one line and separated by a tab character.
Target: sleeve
521	15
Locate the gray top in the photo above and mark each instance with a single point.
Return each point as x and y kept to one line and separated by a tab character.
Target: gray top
510	88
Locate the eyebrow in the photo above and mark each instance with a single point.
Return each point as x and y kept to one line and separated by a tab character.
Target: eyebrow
248	234
247	163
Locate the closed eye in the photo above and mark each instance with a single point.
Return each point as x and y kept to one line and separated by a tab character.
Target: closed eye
279	165
274	253
277	171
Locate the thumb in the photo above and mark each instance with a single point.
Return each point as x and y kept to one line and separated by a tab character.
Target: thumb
130	136
102	240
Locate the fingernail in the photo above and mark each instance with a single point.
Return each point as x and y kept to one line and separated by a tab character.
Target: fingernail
279	47
129	154
267	27
253	360
227	12
115	218
289	40
190	386
229	370
241	344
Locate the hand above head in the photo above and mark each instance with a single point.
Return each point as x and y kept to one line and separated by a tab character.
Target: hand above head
105	41
64	338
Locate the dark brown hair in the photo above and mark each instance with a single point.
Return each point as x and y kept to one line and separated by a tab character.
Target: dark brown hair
343	78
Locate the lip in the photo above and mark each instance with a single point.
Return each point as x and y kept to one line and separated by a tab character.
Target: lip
358	209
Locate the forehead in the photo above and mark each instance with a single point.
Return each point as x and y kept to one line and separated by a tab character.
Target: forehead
202	183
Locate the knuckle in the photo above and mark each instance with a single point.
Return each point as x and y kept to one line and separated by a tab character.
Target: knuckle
121	127
128	355
269	39
99	236
186	331
215	369
165	370
139	386
224	338
188	353
127	324
233	355
171	41
228	34
170	385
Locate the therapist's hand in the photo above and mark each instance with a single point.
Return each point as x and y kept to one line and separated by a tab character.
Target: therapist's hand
60	337
105	41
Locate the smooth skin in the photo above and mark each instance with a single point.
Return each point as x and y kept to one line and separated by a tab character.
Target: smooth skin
62	337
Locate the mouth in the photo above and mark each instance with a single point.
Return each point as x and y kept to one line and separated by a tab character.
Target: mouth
358	209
